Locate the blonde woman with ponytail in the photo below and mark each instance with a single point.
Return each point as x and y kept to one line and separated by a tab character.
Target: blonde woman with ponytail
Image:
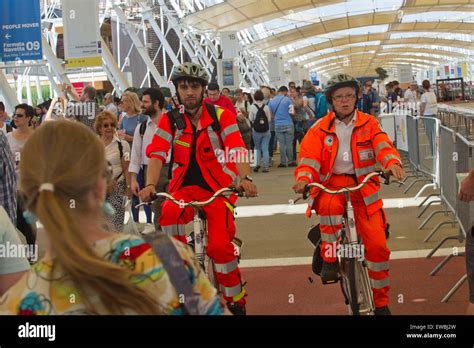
87	269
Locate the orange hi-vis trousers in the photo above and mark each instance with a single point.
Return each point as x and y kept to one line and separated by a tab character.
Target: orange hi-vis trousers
371	229
221	231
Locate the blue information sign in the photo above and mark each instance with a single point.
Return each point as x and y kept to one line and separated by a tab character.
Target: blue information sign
20	30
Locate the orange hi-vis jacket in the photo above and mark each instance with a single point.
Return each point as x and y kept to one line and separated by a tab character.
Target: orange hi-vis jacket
369	144
216	154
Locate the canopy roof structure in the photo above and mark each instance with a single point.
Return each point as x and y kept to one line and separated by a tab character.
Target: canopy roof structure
353	36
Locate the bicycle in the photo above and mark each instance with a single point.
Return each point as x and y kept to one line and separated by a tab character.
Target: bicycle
353	271
197	240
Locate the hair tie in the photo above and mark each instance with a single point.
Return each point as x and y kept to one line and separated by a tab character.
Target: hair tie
46	187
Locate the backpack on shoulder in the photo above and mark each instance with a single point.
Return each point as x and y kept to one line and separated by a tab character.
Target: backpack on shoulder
260	125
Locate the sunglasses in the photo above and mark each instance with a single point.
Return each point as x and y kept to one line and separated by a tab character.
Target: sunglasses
107	125
18	115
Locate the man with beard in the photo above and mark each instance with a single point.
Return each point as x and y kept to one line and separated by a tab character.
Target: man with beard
152	104
339	151
197	134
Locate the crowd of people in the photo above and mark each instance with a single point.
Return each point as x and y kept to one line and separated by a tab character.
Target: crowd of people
72	175
78	169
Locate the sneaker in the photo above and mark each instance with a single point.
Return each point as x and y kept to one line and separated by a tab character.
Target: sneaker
265	170
149	228
282	165
236	308
330	272
382	311
271	162
292	164
256	169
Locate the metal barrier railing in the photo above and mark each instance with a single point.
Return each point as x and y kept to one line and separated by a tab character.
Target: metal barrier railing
447	152
447	175
455	155
436	150
465	153
413	146
423	152
448	185
459	119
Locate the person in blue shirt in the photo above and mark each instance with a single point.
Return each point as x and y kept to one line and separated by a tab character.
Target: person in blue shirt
133	116
282	107
371	99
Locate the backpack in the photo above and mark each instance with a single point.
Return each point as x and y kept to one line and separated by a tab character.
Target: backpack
142	130
177	122
260	125
366	103
309	95
317	97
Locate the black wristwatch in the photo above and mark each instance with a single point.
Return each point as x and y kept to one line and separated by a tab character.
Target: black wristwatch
247	178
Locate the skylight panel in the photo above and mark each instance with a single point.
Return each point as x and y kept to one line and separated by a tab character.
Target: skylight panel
439	16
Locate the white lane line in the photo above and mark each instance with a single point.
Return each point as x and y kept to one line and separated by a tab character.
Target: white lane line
273	209
298	261
296	209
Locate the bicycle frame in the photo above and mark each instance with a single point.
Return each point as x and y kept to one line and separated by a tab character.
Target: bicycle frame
350	223
355	284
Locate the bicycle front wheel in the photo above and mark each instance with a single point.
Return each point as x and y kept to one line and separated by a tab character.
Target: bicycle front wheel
350	284
366	298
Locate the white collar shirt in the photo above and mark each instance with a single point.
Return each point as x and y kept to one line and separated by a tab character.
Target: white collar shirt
138	157
343	163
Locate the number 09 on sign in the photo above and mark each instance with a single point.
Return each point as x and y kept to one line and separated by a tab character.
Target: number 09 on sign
33	45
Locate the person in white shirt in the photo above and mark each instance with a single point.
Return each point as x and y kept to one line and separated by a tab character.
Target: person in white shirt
117	153
242	107
411	96
109	104
153	102
429	108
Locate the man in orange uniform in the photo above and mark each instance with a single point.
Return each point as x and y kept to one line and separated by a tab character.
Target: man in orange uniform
203	140
339	151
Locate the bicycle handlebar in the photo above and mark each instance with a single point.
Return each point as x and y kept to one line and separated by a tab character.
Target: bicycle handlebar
182	204
382	174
